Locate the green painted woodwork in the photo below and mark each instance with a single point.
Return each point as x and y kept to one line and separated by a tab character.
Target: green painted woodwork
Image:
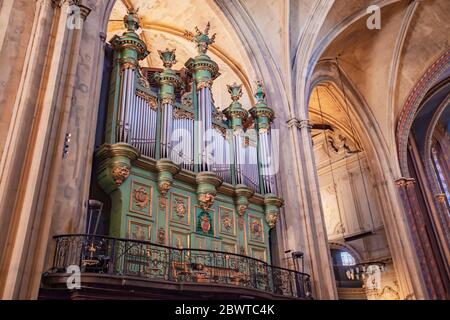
139	209
154	199
261	112
235	113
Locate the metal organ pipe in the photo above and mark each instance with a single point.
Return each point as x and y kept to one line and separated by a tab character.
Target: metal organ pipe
205	123
167	128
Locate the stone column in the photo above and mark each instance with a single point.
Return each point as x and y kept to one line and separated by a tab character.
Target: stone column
420	234
303	217
42	111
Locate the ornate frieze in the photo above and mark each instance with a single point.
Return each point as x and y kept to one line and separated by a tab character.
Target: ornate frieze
182	114
300	124
151	100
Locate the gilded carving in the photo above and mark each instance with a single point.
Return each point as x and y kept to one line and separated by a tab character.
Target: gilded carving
242	208
162	201
167	100
205	223
186	99
161	235
148	98
227	221
120	173
220	130
182	114
204	84
180	208
256	229
164	187
205	200
141	197
272	218
202	39
241	222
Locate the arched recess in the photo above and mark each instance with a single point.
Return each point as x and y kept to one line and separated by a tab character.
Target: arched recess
424	199
398	236
406	118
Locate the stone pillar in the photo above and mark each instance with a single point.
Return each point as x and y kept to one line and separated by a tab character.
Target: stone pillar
419	233
303	217
42	108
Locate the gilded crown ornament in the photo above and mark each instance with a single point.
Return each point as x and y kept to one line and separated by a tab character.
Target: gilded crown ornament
203	40
260	94
168	57
235	91
235	113
131	20
261	112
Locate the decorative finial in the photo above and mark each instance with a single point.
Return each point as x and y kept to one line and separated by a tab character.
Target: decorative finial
202	39
235	90
168	57
131	20
260	95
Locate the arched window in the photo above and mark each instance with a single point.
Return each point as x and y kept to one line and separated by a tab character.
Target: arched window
436	155
342	258
347	259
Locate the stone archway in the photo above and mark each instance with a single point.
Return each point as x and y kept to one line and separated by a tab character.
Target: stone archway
392	213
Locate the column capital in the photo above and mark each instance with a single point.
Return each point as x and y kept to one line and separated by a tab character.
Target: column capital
405	182
440	197
84	10
299	123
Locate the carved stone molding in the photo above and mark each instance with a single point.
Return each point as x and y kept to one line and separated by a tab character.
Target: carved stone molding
404	182
299	123
440	197
84	10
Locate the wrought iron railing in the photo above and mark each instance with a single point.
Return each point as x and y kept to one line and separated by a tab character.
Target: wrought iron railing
127	257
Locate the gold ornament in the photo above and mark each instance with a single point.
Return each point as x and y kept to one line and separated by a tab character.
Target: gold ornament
164	187
205	200
180	208
141	197
120	173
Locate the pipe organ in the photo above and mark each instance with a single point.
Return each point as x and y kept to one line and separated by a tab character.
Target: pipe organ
178	170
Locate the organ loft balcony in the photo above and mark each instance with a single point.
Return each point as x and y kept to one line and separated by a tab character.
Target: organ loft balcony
183	193
114	268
